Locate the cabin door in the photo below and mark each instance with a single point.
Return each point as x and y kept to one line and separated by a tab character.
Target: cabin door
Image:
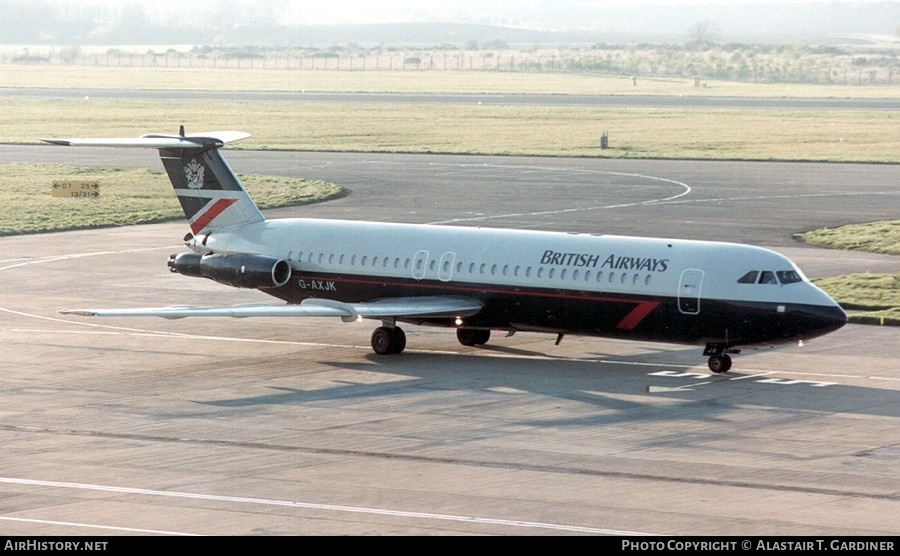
689	291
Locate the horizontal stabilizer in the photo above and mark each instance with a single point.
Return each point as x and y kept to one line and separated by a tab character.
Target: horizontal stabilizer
400	307
213	139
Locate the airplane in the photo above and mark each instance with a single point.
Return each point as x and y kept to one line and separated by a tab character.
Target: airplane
725	297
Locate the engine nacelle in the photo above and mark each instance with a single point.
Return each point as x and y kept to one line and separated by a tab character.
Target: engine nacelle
234	269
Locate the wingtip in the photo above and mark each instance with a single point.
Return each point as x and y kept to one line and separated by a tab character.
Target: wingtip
63	142
78	312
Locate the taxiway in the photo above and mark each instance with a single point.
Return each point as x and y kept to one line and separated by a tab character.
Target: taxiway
292	426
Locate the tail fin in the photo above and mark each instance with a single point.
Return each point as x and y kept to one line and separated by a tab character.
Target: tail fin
211	195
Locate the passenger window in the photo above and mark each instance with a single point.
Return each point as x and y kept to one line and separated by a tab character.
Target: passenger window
749	278
788	277
767	277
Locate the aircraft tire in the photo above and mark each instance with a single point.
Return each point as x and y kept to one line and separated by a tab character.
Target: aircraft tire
720	363
399	340
388	341
472	336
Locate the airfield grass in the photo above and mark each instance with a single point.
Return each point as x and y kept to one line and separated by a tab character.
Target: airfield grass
874	237
716	134
127	197
868	298
397	81
872	298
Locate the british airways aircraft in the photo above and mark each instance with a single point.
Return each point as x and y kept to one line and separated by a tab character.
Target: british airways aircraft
724	297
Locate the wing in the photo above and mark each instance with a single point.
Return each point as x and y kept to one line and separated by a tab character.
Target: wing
397	307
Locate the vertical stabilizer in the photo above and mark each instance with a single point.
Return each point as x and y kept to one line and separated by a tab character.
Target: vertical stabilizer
210	193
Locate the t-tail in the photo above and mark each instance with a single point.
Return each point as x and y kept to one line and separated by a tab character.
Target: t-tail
210	193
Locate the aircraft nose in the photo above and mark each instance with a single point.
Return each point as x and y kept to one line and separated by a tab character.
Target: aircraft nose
822	319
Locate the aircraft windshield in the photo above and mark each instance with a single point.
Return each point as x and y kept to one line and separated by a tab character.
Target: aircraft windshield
789	276
770	277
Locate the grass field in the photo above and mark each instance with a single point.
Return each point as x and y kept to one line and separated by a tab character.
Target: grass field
185	78
786	135
817	135
874	297
127	197
814	135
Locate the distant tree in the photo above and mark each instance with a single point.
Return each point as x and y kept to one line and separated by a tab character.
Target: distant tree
703	34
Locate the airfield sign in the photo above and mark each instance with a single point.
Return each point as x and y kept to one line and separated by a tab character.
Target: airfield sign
76	189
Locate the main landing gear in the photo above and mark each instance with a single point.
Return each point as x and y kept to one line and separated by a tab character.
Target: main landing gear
472	336
389	340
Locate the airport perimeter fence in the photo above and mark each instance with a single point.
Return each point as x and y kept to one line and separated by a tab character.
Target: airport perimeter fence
844	69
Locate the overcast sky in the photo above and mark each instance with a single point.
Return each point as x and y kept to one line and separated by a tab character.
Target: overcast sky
509	12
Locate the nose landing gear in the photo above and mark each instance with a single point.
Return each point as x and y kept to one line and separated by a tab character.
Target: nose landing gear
720	363
719	360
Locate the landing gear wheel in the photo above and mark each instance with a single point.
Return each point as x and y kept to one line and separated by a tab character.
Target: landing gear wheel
387	341
472	336
720	363
399	339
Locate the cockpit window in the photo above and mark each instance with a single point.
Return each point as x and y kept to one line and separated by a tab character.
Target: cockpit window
788	276
769	277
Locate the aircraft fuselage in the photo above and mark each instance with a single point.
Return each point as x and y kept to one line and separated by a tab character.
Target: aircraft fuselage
653	289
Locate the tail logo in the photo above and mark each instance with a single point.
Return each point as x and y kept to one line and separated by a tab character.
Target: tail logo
193	171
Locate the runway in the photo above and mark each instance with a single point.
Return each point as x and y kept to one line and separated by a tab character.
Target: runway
275	426
598	100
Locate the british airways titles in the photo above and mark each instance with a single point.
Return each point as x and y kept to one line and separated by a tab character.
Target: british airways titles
612	262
